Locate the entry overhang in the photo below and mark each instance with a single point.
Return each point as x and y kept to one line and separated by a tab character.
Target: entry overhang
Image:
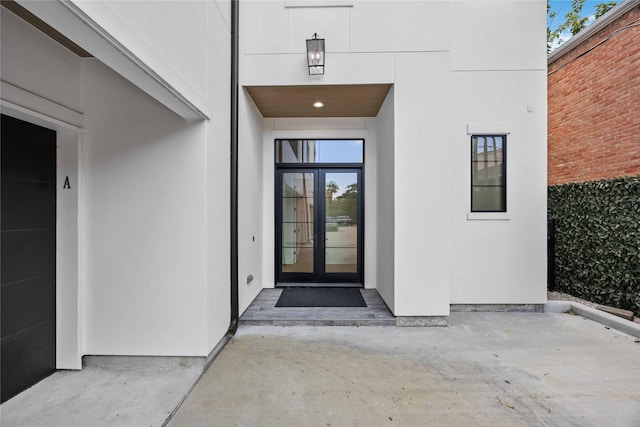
362	100
75	25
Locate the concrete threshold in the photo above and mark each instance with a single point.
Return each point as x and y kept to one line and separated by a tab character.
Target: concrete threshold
263	312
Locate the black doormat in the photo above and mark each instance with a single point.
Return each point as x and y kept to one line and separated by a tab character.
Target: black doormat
321	297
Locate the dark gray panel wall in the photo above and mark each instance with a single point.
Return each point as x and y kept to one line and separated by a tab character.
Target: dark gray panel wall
28	264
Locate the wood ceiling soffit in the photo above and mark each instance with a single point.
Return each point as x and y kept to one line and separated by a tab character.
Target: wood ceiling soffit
340	100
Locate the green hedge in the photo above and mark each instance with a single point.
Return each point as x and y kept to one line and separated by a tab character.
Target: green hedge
598	240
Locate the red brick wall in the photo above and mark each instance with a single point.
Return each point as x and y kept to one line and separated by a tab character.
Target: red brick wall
594	107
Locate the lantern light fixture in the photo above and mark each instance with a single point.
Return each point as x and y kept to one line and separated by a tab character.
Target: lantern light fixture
315	55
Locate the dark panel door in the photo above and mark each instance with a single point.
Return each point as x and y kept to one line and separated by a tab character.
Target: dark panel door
319	226
28	259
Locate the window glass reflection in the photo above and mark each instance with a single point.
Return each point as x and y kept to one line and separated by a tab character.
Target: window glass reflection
319	151
488	180
297	260
341	260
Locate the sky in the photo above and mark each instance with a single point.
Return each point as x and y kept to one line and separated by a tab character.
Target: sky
562	7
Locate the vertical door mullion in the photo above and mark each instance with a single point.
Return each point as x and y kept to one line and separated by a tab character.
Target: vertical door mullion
360	219
319	214
278	225
278	220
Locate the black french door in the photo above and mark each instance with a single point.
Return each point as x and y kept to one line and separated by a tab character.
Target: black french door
319	226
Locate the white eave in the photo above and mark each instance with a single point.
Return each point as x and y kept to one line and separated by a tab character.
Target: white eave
73	23
592	29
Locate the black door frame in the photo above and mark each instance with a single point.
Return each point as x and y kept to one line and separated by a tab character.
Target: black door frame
319	277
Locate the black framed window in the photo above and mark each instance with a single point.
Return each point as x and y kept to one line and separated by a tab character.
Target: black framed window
488	173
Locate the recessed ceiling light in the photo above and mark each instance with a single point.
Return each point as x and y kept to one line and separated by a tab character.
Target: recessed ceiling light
318	104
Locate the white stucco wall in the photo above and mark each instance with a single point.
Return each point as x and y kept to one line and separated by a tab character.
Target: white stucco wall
251	199
498	85
144	172
385	201
512	268
421	198
143	233
456	67
173	217
217	129
69	251
168	36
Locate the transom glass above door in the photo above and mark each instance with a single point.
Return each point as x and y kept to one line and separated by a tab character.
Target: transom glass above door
303	151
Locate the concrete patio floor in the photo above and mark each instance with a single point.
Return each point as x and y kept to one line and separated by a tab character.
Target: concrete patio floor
524	369
485	369
108	391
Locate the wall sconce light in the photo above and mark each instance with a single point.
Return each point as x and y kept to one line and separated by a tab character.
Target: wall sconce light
315	55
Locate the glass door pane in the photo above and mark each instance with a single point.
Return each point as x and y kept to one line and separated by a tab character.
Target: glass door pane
341	222
297	222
